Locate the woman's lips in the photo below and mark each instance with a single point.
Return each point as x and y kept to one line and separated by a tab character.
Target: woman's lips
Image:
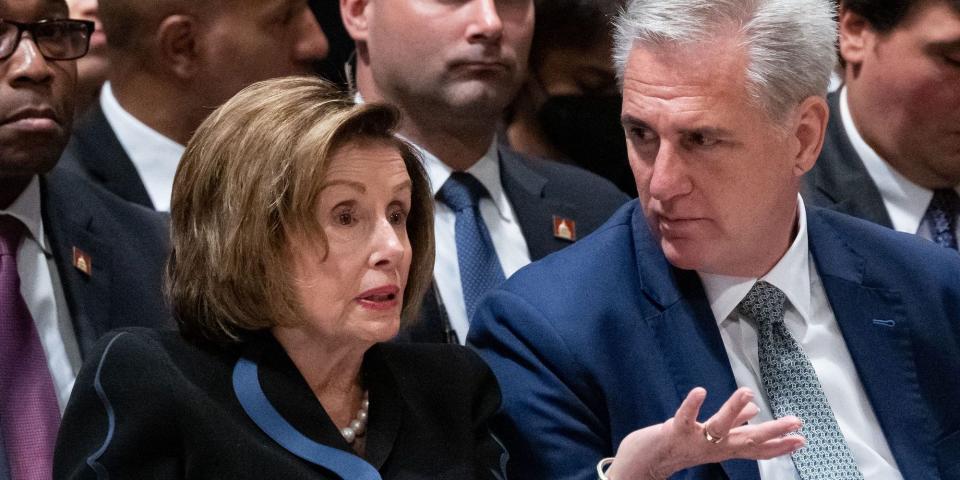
381	298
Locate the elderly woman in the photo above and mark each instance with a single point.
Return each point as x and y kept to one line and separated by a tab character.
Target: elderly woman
302	233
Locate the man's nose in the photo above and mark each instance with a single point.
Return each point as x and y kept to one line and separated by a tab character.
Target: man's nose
669	178
27	64
486	25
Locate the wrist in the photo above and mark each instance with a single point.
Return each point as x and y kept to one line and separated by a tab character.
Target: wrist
602	468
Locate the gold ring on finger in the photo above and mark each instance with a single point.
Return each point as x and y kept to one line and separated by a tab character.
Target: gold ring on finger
710	437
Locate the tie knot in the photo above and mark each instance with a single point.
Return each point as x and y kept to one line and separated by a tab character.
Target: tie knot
946	200
461	191
764	303
11	231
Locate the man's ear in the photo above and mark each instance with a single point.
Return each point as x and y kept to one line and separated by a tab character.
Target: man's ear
811	127
856	36
177	41
355	15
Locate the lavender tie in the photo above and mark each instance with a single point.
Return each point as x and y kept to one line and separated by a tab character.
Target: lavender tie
29	414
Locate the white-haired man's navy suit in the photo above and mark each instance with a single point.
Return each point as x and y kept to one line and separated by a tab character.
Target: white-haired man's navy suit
606	337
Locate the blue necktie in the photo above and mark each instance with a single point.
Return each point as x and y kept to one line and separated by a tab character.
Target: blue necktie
480	268
942	217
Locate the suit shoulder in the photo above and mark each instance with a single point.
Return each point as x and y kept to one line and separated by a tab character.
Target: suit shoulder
149	359
131	350
66	187
603	253
576	183
899	251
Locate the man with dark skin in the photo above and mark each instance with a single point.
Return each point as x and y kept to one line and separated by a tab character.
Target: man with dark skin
75	261
171	63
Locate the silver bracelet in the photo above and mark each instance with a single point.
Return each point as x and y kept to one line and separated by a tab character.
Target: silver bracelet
602	468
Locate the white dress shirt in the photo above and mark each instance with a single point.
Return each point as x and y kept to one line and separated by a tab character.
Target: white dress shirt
811	321
155	156
499	217
906	202
43	293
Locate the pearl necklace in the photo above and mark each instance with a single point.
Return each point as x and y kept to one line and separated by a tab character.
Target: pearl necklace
358	426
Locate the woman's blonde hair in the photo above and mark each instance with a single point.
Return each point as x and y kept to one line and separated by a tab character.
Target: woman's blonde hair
249	182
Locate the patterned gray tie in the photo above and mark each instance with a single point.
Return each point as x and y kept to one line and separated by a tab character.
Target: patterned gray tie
793	389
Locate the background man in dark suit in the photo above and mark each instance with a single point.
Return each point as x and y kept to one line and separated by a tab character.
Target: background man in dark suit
452	68
892	152
171	63
721	278
75	261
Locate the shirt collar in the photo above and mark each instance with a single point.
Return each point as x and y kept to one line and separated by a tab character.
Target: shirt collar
26	208
486	170
131	130
154	155
791	275
906	201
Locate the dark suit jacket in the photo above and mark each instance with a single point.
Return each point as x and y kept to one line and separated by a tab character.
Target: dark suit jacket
580	369
149	404
839	180
127	245
538	190
95	153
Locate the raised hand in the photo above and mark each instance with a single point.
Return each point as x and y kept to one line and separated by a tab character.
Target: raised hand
658	451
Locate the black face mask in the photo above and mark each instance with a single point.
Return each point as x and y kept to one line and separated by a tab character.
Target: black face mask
587	129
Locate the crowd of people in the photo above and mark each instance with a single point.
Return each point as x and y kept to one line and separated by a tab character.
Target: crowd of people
535	239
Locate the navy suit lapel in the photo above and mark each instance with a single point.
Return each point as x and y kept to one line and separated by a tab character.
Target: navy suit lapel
103	157
527	191
840	180
70	223
876	329
687	333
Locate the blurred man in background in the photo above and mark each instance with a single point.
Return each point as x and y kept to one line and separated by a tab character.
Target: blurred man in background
91	68
171	63
892	152
568	109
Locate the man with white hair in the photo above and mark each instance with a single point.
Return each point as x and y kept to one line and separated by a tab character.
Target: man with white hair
721	277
